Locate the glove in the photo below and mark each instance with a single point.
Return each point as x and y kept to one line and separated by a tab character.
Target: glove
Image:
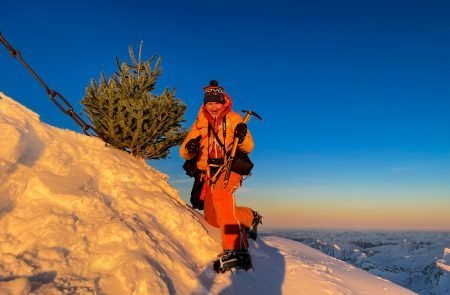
193	145
240	132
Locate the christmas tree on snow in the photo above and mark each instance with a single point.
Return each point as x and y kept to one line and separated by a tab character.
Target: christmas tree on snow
127	115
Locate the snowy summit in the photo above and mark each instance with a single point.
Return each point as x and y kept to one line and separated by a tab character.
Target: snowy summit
77	217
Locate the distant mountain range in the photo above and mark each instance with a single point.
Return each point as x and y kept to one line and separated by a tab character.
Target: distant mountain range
419	261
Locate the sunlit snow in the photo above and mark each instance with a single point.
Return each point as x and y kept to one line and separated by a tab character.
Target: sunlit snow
78	217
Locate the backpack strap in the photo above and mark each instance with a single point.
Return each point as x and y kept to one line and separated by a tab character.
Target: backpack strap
211	129
222	146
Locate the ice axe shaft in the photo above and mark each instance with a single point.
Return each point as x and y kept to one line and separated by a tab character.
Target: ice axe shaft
229	162
248	113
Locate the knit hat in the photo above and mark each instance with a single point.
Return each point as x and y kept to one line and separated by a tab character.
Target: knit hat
213	93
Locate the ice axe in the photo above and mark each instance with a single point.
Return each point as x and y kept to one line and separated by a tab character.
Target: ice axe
229	161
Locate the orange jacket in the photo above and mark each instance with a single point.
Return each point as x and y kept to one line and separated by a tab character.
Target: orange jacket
200	127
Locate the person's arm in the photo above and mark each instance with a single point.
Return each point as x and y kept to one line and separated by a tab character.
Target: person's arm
246	143
193	135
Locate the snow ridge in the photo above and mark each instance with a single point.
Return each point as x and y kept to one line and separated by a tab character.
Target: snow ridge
81	217
77	217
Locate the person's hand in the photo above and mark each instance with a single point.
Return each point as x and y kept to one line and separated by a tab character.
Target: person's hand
240	132
193	145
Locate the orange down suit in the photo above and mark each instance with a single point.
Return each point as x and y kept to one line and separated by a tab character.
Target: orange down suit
219	208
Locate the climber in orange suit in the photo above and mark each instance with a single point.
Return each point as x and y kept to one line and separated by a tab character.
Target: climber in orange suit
208	140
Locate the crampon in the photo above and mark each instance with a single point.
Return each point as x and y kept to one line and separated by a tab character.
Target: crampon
232	260
253	230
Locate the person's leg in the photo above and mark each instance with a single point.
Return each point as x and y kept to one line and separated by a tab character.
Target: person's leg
209	211
244	215
232	221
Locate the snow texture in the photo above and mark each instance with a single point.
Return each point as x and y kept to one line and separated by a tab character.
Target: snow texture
78	217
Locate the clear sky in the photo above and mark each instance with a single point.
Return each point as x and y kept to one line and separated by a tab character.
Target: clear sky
355	95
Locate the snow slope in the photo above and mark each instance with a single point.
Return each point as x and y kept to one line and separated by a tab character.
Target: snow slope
419	261
77	217
284	266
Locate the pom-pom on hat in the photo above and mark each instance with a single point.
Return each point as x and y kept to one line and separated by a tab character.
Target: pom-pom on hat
213	93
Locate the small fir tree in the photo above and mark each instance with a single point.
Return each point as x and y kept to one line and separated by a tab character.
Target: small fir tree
129	117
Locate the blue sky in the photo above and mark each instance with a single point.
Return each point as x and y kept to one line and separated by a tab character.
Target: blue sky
355	95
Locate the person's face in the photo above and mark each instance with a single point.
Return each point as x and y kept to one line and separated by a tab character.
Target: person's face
214	107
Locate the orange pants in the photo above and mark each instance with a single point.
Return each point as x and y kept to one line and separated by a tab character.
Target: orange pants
221	211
